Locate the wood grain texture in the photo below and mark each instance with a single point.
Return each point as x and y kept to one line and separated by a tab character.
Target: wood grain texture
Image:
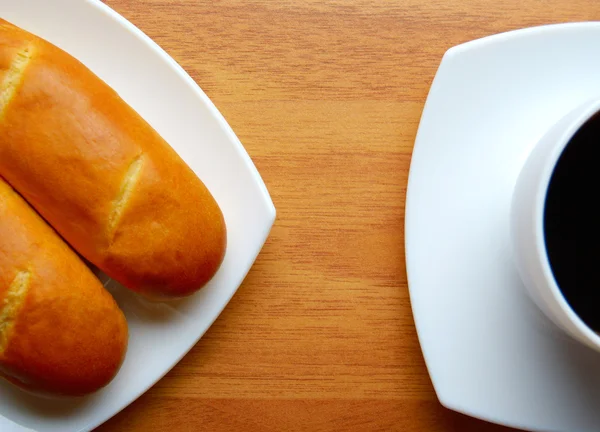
326	96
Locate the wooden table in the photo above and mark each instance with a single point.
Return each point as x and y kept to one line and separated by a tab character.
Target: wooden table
326	96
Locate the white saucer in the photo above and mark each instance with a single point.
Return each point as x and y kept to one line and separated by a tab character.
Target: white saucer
490	353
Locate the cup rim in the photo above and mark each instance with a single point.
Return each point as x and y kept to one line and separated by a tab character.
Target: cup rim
567	134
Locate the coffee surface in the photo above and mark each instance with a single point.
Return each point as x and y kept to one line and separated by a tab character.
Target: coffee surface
572	223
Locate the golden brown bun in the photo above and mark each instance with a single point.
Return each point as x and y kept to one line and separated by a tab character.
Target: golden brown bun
61	332
100	175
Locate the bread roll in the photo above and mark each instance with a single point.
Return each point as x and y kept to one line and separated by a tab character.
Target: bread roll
61	332
100	175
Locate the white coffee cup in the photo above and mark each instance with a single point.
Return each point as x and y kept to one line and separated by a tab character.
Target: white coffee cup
527	224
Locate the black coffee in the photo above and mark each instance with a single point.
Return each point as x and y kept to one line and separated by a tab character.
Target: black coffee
572	223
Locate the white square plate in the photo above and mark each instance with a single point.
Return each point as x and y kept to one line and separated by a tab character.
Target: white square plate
489	350
153	84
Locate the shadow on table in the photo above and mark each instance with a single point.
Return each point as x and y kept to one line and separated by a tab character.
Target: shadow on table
456	422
